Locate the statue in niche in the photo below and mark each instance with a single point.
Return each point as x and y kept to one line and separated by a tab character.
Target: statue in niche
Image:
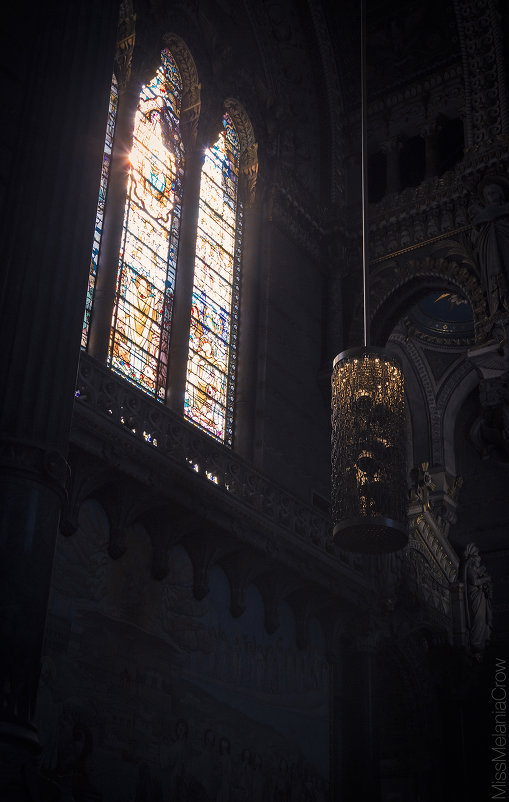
490	236
478	605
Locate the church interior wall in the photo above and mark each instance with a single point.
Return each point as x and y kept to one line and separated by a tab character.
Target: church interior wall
206	639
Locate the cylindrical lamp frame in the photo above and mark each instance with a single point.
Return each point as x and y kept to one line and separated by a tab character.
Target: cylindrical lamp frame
369	492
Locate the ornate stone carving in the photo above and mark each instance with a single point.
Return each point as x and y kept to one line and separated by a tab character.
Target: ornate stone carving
190	115
423	484
191	88
435	208
478	605
389	280
487	114
32	460
249	173
177	464
126	36
490	237
184	60
85	478
242	123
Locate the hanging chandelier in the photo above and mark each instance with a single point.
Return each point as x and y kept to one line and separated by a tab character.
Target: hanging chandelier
369	495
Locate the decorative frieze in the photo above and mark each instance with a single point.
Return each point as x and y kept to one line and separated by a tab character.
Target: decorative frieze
140	438
437	208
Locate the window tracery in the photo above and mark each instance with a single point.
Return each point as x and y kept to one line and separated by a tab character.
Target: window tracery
128	324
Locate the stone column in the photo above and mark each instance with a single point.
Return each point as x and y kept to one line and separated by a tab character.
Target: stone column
54	143
249	296
107	268
265	277
181	315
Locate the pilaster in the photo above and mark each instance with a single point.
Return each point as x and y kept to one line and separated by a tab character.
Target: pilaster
55	158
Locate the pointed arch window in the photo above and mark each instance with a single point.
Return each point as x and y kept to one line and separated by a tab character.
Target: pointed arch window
127	324
145	284
211	366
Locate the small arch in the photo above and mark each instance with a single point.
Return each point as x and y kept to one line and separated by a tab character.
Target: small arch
392	294
191	87
248	147
185	63
241	122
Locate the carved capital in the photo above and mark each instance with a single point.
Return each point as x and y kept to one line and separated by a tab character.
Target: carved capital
126	36
249	173
46	465
190	115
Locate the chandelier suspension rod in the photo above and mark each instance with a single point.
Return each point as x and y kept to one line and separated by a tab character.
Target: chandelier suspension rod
364	177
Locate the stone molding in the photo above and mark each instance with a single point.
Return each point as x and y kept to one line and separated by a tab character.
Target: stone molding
391	279
486	112
435	209
136	436
36	462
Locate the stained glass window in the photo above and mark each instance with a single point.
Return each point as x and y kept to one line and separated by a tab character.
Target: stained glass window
211	366
99	218
147	263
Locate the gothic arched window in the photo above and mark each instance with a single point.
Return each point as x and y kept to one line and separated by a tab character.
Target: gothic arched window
140	327
211	366
134	291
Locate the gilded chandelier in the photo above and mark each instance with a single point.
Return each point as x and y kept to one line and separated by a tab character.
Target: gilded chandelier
368	422
368	452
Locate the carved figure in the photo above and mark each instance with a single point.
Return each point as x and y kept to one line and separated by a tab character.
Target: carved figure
423	485
491	238
478	606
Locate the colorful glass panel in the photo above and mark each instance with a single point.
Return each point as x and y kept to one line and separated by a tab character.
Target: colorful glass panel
103	186
147	263
211	366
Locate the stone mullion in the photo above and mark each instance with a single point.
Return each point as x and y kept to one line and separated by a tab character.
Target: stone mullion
248	316
181	315
47	234
262	324
104	296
